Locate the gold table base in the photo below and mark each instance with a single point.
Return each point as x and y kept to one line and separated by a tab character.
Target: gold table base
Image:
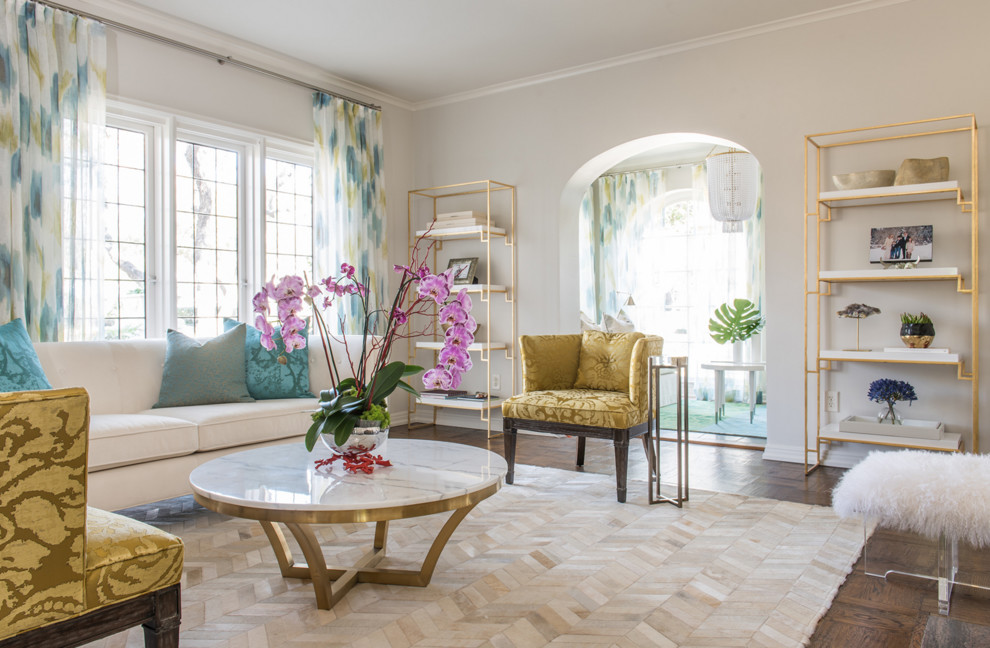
331	582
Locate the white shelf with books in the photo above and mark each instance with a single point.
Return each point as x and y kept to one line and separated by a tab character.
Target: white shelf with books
472	229
926	212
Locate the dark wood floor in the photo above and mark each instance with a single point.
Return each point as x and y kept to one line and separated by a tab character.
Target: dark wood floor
867	612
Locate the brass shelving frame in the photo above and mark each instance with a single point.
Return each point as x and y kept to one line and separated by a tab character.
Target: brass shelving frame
484	292
818	212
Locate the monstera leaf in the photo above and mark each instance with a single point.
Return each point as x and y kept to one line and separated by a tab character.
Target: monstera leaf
736	322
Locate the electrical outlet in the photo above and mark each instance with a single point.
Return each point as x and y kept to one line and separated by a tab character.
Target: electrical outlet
496	382
831	401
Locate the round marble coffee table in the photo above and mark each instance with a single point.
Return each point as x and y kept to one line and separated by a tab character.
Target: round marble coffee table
281	484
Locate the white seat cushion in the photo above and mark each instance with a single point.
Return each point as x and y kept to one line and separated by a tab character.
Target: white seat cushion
123	439
224	425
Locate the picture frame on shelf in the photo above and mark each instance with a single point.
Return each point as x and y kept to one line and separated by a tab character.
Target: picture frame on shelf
903	244
464	270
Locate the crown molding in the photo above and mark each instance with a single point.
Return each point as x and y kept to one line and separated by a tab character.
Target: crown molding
169	26
658	52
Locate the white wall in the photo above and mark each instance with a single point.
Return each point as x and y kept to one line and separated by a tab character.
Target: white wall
908	61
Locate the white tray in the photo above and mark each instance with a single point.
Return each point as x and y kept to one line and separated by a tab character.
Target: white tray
912	428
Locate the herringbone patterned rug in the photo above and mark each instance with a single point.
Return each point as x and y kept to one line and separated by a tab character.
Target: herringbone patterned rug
552	560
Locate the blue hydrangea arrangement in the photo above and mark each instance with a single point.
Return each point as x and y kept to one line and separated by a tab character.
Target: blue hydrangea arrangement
889	391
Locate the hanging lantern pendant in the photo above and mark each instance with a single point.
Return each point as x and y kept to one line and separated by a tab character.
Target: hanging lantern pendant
733	185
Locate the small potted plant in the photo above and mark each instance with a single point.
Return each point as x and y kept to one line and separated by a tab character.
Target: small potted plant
917	331
735	323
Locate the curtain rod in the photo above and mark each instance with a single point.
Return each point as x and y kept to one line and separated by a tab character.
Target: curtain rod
219	58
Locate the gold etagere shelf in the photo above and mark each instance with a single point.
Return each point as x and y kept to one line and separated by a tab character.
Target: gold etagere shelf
819	206
499	231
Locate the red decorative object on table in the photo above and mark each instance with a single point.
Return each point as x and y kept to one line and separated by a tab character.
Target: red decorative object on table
354	462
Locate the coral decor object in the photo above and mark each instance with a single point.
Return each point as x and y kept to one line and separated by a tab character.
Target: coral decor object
858	312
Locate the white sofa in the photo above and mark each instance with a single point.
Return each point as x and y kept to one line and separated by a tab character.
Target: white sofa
138	454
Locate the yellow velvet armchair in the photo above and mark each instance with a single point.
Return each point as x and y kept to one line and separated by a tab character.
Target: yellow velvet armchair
585	385
70	574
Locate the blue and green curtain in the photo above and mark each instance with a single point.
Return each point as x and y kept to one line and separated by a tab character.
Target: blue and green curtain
52	118
349	210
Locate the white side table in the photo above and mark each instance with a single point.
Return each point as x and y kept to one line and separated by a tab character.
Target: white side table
720	368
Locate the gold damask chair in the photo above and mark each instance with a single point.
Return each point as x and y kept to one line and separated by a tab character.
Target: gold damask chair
70	574
585	385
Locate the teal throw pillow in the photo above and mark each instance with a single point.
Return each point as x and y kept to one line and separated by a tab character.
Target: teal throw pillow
267	378
201	373
20	369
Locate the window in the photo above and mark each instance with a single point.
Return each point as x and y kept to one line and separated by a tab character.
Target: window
190	236
206	237
288	218
124	218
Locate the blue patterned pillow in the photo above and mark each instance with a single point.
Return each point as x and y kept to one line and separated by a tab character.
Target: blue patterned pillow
201	373
20	369
266	377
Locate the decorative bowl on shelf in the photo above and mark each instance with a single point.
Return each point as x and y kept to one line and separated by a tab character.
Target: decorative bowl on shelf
918	336
918	171
864	179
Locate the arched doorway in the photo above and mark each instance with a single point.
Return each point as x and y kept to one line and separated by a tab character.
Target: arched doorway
652	258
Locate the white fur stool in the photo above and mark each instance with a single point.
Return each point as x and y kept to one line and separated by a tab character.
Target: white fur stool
943	496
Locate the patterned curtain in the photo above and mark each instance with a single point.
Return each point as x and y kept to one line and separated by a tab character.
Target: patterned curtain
52	117
349	210
616	211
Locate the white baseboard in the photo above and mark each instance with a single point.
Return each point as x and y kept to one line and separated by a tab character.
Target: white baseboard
839	455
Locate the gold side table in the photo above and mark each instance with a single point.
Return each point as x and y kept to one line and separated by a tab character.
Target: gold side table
656	365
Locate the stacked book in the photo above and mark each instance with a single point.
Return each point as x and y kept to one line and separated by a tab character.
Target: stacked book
445	395
460	222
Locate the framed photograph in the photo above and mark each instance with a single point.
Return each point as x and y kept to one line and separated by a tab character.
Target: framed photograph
463	269
898	244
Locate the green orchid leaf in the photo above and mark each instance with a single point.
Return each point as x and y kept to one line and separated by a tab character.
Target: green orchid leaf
343	431
312	433
735	323
386	380
407	387
411	370
326	395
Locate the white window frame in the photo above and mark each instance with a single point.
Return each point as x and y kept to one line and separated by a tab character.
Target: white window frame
284	151
162	130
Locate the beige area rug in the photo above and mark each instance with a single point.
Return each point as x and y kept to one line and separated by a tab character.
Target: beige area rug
552	560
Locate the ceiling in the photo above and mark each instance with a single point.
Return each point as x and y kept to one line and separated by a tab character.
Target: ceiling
426	51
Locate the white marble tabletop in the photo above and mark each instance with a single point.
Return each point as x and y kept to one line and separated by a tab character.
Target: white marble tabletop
285	477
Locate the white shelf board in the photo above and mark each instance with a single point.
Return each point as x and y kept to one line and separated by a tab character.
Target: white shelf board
950	442
476	231
893	274
885	195
477	346
890	356
454	403
480	288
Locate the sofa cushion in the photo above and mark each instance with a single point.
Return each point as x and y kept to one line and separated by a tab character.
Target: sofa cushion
124	439
596	408
126	558
20	369
233	424
199	373
267	378
604	362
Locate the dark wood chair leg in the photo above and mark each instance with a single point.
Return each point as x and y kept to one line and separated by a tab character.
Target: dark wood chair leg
580	453
621	443
163	630
509	441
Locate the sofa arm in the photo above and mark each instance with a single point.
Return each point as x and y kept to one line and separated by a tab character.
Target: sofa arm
549	361
651	345
43	444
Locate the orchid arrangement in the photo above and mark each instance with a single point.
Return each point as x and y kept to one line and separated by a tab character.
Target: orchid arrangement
373	378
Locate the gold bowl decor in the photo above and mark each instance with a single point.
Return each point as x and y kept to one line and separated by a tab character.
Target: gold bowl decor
864	179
